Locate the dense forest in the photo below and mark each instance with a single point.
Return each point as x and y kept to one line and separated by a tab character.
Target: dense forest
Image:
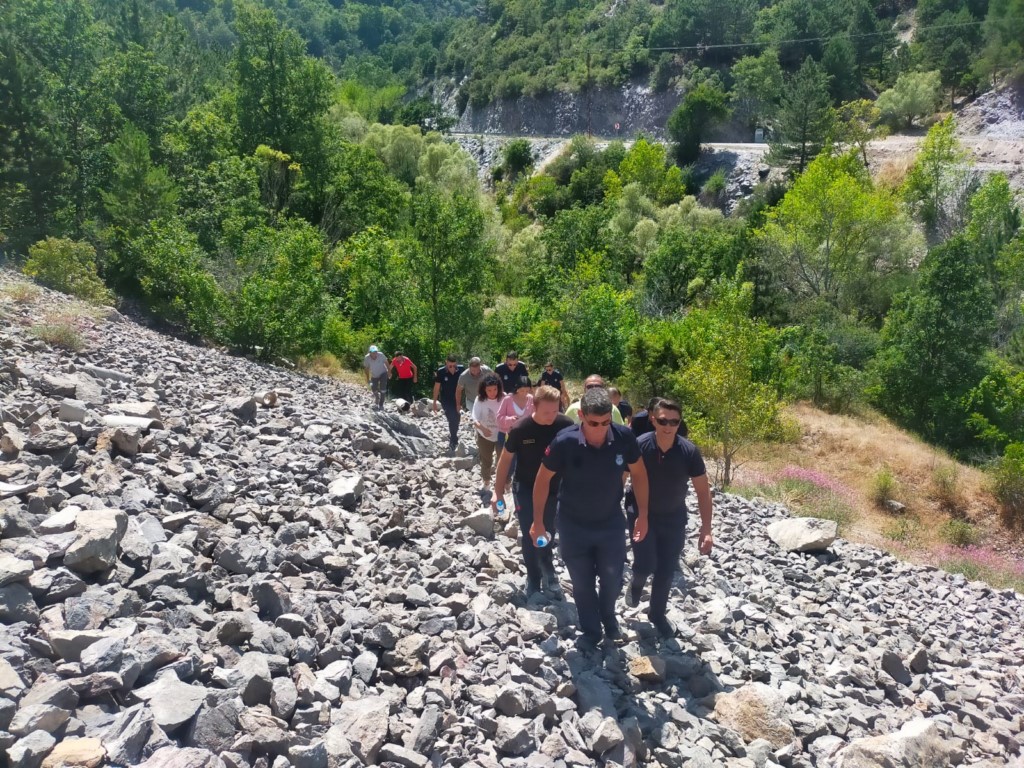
271	177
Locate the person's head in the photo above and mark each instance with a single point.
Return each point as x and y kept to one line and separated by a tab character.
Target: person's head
521	387
512	359
614	395
474	366
399	354
667	418
373	351
595	414
545	404
653	403
593	382
451	363
490	387
549	367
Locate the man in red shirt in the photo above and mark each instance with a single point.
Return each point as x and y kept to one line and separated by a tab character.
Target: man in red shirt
405	370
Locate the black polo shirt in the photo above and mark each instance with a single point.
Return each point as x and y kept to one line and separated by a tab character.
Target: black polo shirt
528	440
449	382
641	423
553	379
509	378
591	489
669	473
625	409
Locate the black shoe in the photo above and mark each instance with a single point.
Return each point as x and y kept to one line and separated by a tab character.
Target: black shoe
664	626
633	596
550	585
587	643
612	631
532	588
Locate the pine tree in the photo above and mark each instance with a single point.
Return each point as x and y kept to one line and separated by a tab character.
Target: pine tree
805	118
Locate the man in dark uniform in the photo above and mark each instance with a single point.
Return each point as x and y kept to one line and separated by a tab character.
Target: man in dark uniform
511	371
671	462
641	423
446	381
591	459
553	377
527	442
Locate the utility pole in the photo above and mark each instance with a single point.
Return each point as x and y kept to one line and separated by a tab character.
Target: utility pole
589	134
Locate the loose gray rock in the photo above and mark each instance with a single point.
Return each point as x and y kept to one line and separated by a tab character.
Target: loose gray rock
803	534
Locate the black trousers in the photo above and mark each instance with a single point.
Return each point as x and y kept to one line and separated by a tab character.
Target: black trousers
451	412
658	555
536	559
594	556
403	388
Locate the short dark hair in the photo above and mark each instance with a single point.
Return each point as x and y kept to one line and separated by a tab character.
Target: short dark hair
664	404
653	403
489	380
513	354
451	359
595	402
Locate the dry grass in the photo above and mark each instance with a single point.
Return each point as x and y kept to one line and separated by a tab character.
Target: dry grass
329	366
63	335
21	292
854	449
893	173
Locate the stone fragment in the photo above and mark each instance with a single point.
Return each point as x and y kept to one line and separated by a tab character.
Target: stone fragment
14	569
803	534
16	604
917	743
30	751
359	730
392	753
76	753
893	666
480	522
756	711
648	668
513	736
347	490
38	717
182	757
99	531
172	702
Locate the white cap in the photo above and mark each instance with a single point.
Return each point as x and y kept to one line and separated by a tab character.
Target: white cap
374	349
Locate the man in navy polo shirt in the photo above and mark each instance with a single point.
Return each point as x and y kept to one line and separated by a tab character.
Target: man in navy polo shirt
591	459
446	382
511	371
671	462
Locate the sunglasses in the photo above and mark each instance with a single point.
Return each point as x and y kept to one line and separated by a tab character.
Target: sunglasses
669	422
594	386
596	424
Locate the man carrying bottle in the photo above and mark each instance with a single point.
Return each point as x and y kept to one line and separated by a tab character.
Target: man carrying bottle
528	441
591	459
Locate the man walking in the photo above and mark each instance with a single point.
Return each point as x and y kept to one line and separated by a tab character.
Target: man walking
511	371
593	382
375	367
446	381
406	375
553	377
671	462
526	442
591	459
469	383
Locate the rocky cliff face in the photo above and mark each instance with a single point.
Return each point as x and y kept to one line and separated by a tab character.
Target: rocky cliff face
209	562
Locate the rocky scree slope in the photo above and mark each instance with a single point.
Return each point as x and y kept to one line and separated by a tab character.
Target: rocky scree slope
187	579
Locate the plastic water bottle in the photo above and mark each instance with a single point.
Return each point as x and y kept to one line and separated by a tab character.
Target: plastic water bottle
500	506
542	540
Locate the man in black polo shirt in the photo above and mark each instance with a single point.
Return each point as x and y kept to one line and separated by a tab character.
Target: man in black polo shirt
511	371
591	459
553	377
446	381
671	462
528	441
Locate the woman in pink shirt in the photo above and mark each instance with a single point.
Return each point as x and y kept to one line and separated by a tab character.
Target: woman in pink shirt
515	407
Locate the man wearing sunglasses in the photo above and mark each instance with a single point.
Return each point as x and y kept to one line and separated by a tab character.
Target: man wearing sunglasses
553	377
671	462
446	382
591	459
593	382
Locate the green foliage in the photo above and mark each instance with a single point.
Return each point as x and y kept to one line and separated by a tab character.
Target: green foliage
884	487
517	156
688	125
597	320
857	125
958	533
805	117
946	486
994	220
820	366
1008	484
376	282
904	530
941	182
933	343
757	88
69	267
507	326
60	334
916	94
996	408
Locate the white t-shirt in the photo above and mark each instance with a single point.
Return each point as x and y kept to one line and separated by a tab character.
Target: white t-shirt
486	412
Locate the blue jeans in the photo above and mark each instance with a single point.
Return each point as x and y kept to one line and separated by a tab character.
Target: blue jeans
594	555
536	559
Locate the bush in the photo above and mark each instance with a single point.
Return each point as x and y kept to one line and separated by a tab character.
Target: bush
1008	484
904	530
884	487
714	188
60	334
22	293
67	266
946	485
958	532
916	94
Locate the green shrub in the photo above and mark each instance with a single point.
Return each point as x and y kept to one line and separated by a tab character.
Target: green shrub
904	530
67	266
958	532
60	334
884	487
1008	484
946	486
22	293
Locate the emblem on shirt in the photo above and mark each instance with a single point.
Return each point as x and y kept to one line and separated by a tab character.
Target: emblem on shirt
618	459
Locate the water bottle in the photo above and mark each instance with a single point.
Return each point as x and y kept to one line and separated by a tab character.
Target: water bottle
542	540
500	506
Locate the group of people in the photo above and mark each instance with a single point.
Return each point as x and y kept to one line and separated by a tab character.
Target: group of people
571	467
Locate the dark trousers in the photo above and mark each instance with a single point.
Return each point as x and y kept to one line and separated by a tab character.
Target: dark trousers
403	388
658	554
537	559
451	412
594	556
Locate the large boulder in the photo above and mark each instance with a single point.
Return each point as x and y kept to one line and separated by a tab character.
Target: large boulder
756	711
99	532
803	534
359	730
917	743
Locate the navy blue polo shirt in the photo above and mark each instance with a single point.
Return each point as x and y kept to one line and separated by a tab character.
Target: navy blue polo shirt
553	379
449	383
641	423
591	488
669	473
509	378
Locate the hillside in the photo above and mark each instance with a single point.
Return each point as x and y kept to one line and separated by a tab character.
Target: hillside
198	585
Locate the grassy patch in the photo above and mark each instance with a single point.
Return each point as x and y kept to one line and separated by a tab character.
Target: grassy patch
946	487
806	493
63	335
958	533
884	487
982	564
904	530
22	293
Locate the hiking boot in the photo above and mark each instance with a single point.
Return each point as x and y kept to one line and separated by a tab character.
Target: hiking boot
587	643
612	631
532	588
550	584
